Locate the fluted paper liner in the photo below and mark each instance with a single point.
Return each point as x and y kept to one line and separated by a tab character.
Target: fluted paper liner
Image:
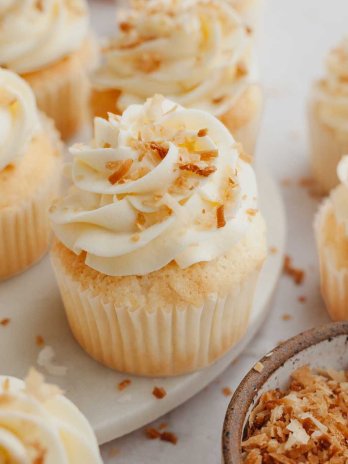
62	89
25	230
334	280
327	147
155	343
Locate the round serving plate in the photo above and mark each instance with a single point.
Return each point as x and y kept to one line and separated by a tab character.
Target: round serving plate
32	303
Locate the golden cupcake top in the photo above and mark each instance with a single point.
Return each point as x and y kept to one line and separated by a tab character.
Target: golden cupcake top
19	119
158	184
197	53
39	425
36	33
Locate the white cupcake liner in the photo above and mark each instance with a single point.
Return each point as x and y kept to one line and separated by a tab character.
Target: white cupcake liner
173	341
334	280
327	147
62	90
25	230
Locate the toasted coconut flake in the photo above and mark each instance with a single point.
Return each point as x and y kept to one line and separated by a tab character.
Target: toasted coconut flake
121	169
159	148
149	62
202	132
39	340
226	391
208	155
204	172
124	384
45	360
5	322
251	212
220	217
306	423
125	26
159	392
152	433
170	437
295	273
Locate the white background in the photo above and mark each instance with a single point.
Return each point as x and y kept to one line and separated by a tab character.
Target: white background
296	35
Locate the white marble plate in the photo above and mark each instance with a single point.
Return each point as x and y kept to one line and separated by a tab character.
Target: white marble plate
32	302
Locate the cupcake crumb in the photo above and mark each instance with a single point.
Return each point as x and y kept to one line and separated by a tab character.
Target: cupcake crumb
159	392
296	274
258	367
163	425
226	391
286	317
302	299
39	340
5	322
124	384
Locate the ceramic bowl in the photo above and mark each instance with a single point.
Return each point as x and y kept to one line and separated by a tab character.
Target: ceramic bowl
321	347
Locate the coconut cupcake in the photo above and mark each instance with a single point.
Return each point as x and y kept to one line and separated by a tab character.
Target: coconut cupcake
48	43
30	164
39	425
331	227
328	118
197	53
159	242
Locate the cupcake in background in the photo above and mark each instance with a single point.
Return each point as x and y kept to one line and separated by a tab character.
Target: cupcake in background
49	44
328	118
40	425
331	227
30	164
159	241
196	53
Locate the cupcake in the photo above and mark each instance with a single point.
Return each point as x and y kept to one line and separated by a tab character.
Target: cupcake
196	53
48	43
30	164
328	118
331	227
159	241
39	425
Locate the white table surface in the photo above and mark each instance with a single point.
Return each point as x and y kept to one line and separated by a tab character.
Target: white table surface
296	36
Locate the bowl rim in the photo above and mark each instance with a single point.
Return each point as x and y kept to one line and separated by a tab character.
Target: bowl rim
254	380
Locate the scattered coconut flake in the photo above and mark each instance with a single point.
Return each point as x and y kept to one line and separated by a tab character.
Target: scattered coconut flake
35	385
45	359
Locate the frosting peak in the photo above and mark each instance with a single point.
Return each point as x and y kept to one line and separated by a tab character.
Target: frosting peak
36	33
19	118
160	183
195	52
38	424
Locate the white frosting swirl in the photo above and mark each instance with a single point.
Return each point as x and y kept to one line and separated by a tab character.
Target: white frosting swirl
36	33
195	52
332	91
38	424
160	183
19	119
